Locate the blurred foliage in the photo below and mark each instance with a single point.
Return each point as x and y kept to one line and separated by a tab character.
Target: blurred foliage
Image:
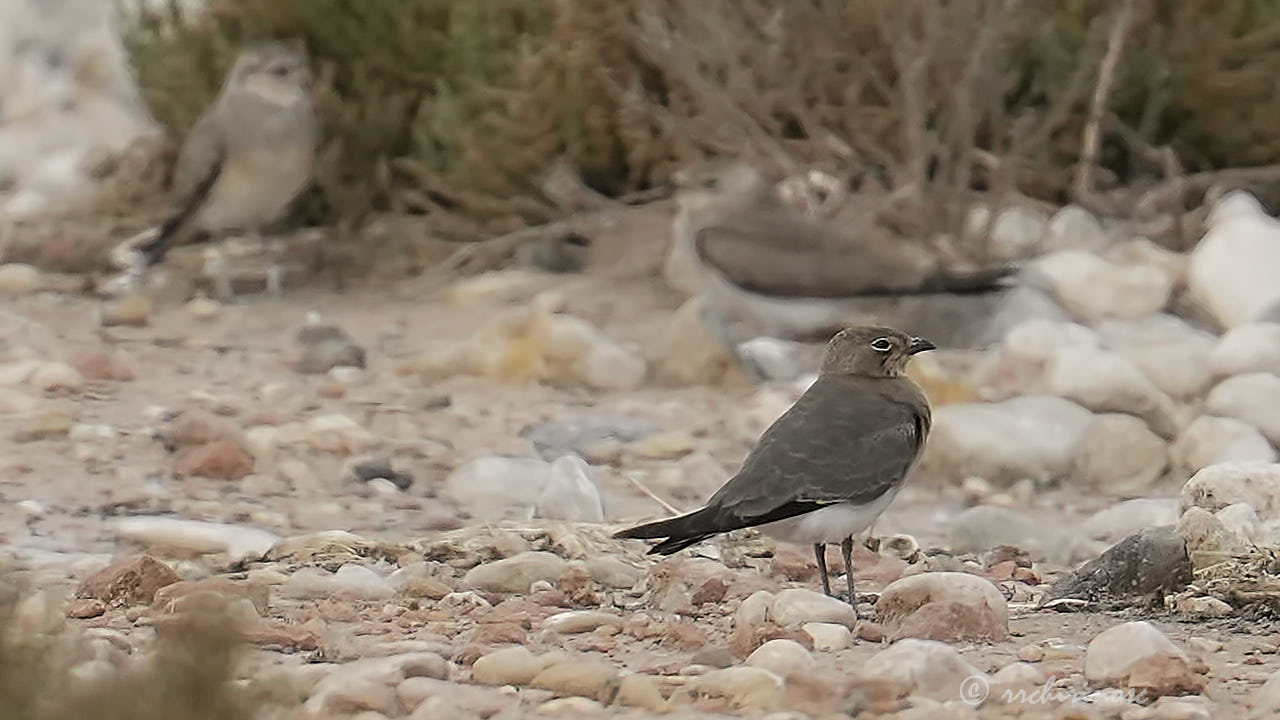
50	671
455	109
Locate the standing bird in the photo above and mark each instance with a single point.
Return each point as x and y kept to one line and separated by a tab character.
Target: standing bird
826	469
765	268
245	160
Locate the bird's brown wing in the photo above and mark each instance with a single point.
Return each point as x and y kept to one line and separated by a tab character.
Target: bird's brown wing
195	172
848	439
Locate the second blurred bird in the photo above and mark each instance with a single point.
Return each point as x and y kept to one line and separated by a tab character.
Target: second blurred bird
244	162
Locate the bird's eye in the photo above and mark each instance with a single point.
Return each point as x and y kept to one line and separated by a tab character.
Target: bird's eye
881	344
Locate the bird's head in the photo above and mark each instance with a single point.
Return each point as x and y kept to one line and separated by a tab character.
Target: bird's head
715	181
871	352
274	72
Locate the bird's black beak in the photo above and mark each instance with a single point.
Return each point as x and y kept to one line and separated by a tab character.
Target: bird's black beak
919	344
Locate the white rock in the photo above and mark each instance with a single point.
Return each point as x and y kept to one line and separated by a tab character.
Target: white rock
796	606
18	371
1104	381
1233	268
236	541
1242	520
781	657
828	637
1018	232
1124	519
1027	437
1115	652
18	279
1217	486
1210	440
610	367
501	486
1141	251
1171	353
1251	398
1119	456
1091	288
513	665
930	668
569	493
1074	228
1248	348
774	359
371	682
362	583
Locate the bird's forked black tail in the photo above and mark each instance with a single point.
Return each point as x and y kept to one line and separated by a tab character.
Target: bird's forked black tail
680	532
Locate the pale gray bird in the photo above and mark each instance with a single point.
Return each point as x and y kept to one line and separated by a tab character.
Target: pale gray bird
246	158
787	274
826	469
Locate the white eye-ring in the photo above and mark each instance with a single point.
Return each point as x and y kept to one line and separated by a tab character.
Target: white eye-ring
881	344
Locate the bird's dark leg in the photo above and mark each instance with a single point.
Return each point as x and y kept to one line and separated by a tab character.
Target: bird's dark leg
846	551
820	554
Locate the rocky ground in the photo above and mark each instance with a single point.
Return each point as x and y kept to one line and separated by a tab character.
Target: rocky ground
408	539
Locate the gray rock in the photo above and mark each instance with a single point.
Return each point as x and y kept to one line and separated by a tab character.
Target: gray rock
1027	437
570	493
1172	353
581	433
1252	398
1119	456
982	528
1124	519
1146	565
1207	538
1210	440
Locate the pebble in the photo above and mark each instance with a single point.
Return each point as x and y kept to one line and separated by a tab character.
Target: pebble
1137	655
754	609
338	434
944	606
220	459
828	637
666	445
1251	398
796	606
580	621
583	432
1266	700
515	574
15	401
611	572
688	353
493	486
132	310
782	657
1203	607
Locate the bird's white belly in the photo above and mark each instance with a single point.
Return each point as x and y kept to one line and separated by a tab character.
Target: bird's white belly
831	524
